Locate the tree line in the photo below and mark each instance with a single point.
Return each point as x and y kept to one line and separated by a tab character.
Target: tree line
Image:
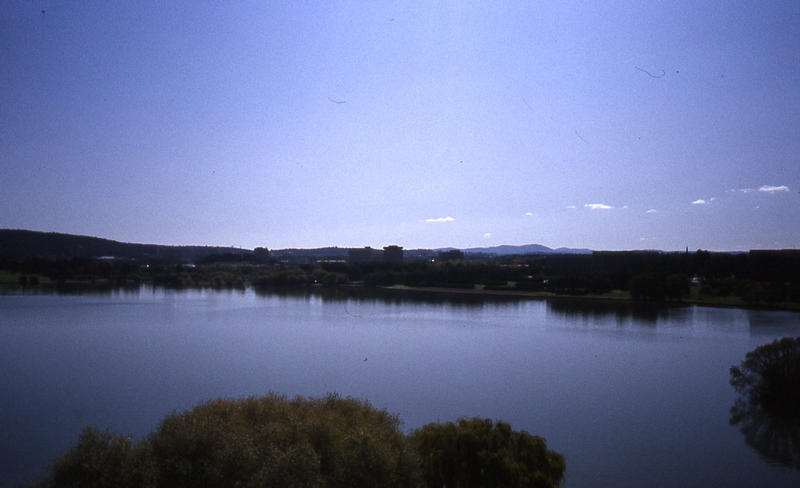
768	278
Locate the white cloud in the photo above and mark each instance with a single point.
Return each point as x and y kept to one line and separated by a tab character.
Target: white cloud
441	219
652	210
487	235
699	201
624	206
597	206
712	199
570	206
743	190
528	214
773	189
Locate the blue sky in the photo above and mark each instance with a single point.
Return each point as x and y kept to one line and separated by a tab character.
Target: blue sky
632	125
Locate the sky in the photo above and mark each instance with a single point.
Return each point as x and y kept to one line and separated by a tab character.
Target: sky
601	125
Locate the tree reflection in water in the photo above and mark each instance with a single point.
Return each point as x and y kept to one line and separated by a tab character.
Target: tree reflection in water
768	408
775	438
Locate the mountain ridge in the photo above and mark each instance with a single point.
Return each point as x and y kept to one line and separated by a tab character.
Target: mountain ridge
505	249
23	244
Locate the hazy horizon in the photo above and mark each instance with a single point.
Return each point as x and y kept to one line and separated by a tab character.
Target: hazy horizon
632	125
381	245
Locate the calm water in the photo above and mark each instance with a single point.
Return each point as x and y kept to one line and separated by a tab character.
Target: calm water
630	396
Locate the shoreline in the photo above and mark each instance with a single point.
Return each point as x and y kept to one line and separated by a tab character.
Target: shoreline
618	299
107	285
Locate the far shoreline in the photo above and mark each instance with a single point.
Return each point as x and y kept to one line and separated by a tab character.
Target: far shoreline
79	286
787	307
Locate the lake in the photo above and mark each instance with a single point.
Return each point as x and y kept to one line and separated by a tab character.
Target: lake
630	395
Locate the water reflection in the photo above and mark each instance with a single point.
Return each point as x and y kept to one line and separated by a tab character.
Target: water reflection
603	311
765	320
101	289
775	438
383	296
567	309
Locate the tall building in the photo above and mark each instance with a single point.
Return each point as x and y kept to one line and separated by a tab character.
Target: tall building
393	254
362	255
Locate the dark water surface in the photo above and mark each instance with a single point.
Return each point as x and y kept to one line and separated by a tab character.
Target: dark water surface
631	396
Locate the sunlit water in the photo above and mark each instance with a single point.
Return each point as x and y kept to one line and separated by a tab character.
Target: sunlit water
630	396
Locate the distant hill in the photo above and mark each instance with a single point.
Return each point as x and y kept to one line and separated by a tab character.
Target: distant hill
23	244
524	249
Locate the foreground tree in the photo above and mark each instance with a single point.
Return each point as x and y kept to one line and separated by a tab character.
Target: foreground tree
768	409
481	453
320	442
266	441
770	376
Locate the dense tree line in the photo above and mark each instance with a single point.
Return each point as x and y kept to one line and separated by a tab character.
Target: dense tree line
757	277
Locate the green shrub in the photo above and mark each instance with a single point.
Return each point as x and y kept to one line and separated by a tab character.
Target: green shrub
327	278
265	441
281	277
314	442
102	460
481	453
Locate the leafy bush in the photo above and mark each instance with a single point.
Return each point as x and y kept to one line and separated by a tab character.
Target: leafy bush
328	278
770	376
479	453
321	442
281	277
265	441
102	460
